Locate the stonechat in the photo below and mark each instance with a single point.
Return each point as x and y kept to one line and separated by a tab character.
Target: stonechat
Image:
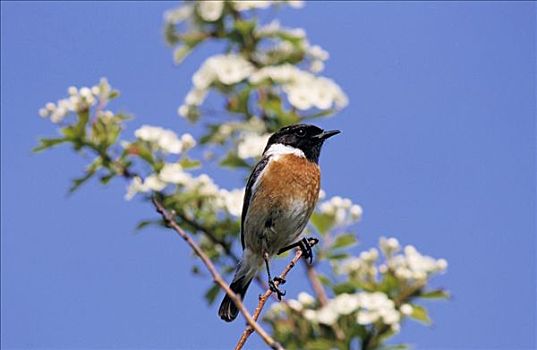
280	196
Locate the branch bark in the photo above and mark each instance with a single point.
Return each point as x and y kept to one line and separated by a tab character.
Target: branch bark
263	299
169	219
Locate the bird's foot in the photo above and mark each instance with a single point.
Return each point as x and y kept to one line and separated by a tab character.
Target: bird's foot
305	245
274	288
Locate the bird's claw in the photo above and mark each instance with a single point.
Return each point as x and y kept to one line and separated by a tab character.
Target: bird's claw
305	245
274	288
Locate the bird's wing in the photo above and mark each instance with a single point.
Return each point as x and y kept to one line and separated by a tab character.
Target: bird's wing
250	190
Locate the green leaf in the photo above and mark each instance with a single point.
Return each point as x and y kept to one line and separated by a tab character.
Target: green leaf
106	178
80	181
48	143
212	293
320	344
90	171
344	240
389	283
345	287
187	163
419	313
436	294
232	160
337	256
394	347
145	223
322	222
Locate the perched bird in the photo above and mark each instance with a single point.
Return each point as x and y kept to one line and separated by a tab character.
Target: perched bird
280	196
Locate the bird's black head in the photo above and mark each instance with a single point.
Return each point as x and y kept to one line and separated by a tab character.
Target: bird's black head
306	138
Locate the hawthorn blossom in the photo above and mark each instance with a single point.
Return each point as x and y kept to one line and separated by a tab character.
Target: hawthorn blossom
80	99
210	10
251	145
343	211
162	139
304	90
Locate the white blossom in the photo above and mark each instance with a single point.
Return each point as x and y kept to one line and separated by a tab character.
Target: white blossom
413	267
195	97
327	315
342	210
244	5
227	69
163	139
304	90
137	185
389	246
406	309
251	145
295	305
78	100
368	308
345	304
306	299
188	141
232	201
210	10
174	174
375	306
179	14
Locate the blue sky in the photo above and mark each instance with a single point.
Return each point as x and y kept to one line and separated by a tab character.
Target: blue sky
438	147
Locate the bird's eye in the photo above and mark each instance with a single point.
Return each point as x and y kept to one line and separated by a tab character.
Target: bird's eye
301	132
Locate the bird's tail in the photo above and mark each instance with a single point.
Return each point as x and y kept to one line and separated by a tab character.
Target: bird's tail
228	310
246	271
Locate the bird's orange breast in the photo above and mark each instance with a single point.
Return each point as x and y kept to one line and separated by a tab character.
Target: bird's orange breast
289	179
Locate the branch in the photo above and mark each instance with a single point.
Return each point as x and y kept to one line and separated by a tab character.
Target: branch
316	284
263	299
169	219
196	225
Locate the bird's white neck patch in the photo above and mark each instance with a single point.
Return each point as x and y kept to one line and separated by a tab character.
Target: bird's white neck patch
277	150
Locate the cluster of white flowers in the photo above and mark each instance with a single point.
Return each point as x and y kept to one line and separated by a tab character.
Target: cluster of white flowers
79	99
227	69
179	14
231	201
362	267
368	308
174	174
165	140
317	56
304	90
411	266
342	210
274	27
244	5
212	10
251	144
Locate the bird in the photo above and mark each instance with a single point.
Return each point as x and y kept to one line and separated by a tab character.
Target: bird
280	196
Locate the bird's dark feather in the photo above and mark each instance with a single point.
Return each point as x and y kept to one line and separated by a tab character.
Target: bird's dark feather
248	192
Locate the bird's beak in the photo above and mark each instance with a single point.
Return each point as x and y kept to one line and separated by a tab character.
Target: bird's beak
327	134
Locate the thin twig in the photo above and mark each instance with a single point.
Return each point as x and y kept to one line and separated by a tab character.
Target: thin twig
263	299
316	283
210	234
169	219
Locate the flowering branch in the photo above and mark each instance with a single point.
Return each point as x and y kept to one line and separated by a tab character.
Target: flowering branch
263	298
170	221
267	78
